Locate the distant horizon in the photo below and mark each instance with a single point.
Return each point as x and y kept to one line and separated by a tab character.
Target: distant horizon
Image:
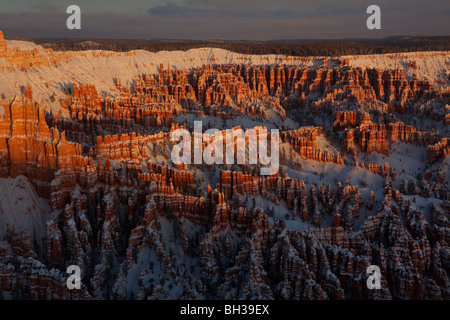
288	47
344	39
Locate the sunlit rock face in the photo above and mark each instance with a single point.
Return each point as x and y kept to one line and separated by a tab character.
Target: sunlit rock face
363	180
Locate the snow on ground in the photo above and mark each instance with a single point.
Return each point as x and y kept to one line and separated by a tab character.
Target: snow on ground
406	159
23	45
324	144
20	205
422	204
101	67
314	172
274	122
159	152
21	208
430	64
149	264
295	224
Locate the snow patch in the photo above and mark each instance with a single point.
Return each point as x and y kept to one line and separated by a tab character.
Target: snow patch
429	65
20	207
101	67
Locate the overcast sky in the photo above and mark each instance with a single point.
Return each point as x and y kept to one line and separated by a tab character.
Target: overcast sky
223	19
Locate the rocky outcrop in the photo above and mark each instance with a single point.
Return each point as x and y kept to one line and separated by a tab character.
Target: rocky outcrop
29	147
438	150
127	147
369	137
141	227
304	142
3	47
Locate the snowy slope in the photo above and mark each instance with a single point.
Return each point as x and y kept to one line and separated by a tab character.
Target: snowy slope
101	67
430	65
21	208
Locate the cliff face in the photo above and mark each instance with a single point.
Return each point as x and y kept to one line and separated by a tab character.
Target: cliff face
29	147
438	150
32	55
360	133
304	142
3	47
141	227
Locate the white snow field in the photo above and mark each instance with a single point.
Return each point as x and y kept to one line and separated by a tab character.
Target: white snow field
21	208
101	67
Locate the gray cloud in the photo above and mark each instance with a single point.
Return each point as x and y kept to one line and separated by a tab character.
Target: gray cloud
46	7
172	10
236	20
